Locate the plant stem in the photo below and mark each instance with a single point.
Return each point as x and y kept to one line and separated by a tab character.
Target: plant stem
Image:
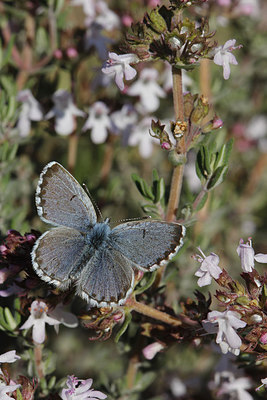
38	360
152	312
132	371
72	151
108	158
177	177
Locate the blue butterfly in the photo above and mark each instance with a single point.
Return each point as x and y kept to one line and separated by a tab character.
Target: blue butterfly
97	259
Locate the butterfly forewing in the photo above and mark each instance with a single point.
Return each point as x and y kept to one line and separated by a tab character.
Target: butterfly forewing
55	255
148	244
107	279
61	200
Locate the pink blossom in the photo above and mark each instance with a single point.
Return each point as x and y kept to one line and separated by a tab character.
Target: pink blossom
80	389
151	350
127	20
72	52
58	54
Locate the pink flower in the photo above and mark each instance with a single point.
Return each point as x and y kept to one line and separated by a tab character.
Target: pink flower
72	52
79	389
223	56
127	20
119	67
151	350
58	54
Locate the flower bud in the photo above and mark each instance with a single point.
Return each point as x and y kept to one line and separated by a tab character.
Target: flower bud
165	146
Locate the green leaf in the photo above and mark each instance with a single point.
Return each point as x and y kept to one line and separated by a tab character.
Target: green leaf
202	202
160	190
151	210
143	187
8	84
200	164
217	177
224	154
51	382
148	191
19	395
147	285
144	380
207	160
10	319
3	320
59	5
7	53
127	320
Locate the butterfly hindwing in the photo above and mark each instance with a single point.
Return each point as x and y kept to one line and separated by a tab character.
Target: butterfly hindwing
61	200
148	244
107	279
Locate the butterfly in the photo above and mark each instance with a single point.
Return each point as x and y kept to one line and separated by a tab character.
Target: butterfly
99	260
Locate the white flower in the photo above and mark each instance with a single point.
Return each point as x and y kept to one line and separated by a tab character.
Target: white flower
227	337
247	255
140	136
208	269
119	67
4	389
123	120
178	388
264	383
97	11
8	357
30	111
151	350
224	57
104	17
257	127
256	130
237	388
88	6
147	88
79	389
37	321
64	112
63	317
99	122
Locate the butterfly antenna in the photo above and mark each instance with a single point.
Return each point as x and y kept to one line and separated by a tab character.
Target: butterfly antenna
133	219
92	200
